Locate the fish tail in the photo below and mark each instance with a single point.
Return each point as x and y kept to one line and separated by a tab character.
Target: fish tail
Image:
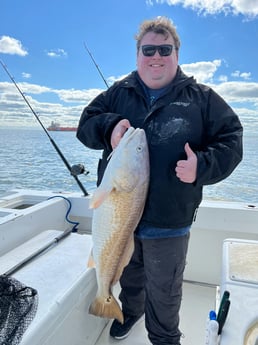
106	307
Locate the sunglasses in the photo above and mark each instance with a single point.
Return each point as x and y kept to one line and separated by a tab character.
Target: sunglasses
163	49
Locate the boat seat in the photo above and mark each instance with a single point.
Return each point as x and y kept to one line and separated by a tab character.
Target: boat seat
65	285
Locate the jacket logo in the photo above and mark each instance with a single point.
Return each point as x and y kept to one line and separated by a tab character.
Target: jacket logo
183	104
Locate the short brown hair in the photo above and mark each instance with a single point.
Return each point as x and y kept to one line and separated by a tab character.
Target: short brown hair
159	25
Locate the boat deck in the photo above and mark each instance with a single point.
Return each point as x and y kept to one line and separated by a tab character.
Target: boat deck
197	301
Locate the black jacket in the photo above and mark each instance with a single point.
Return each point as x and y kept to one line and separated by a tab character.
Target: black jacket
187	112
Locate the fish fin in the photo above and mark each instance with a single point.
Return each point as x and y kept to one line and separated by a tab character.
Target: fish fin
99	195
91	262
106	307
124	259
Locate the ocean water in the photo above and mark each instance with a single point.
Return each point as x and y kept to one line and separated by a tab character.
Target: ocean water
28	160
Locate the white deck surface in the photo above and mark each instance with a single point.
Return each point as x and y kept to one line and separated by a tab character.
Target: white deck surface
196	304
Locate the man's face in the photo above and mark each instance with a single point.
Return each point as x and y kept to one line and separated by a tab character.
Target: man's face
157	71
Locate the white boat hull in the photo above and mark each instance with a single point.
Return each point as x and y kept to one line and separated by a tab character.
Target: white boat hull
66	286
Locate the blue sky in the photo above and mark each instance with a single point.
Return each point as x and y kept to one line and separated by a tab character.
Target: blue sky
42	45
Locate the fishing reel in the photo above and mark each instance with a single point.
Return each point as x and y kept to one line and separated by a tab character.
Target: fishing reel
78	169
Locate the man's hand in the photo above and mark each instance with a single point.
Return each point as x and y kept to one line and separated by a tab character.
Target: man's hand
186	169
118	131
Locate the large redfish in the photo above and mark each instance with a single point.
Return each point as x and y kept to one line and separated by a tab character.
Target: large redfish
118	204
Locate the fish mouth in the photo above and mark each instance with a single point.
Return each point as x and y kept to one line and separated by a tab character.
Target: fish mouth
131	131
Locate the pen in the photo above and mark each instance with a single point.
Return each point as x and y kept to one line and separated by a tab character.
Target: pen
223	315
225	297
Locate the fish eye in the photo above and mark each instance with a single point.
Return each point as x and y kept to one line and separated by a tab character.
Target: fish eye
138	148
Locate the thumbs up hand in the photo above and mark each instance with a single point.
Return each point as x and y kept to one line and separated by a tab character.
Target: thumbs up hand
186	169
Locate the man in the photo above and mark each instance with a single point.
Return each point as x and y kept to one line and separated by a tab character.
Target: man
194	139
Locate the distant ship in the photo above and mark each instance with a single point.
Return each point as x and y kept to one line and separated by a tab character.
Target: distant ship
56	127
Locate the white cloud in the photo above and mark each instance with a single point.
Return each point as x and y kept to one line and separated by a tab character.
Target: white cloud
238	91
223	78
244	75
56	53
14	110
113	79
68	104
248	8
235	74
10	45
233	91
33	88
202	71
77	96
26	75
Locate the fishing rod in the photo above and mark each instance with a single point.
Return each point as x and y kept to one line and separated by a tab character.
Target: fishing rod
96	65
75	170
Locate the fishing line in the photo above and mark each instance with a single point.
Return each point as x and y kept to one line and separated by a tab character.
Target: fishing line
96	65
74	170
